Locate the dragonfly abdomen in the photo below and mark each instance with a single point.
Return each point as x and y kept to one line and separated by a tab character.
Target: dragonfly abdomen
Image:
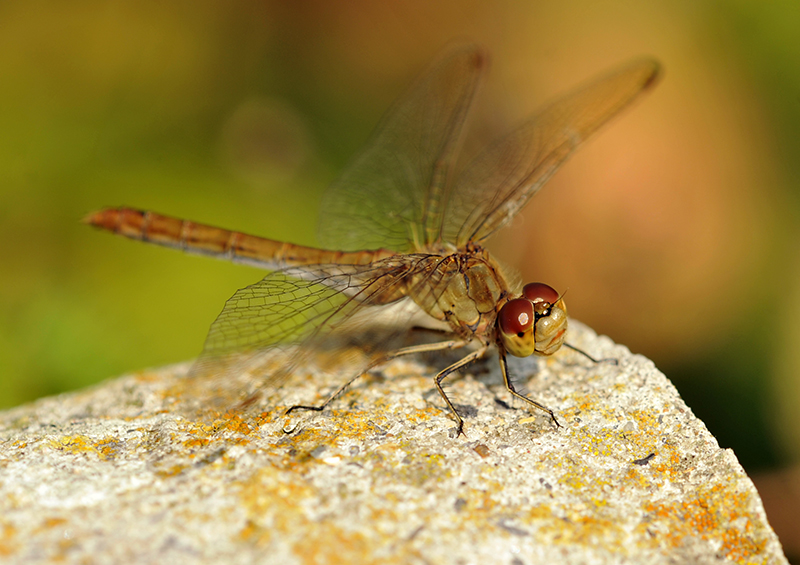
238	247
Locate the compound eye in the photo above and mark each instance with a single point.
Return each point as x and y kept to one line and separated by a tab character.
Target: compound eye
516	317
540	292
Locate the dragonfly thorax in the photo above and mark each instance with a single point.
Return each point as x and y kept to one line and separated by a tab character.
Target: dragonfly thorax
535	323
461	289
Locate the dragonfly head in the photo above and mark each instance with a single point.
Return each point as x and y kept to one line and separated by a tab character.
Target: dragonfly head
535	323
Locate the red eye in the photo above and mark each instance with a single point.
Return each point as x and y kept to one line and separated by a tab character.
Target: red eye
516	316
540	292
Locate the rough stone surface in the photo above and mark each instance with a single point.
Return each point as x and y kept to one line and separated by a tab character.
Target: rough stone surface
114	474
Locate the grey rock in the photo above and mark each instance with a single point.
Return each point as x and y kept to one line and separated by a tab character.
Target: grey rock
123	472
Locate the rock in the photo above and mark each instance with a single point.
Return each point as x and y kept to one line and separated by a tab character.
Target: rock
123	473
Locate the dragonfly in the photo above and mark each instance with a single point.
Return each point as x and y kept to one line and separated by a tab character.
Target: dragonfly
405	222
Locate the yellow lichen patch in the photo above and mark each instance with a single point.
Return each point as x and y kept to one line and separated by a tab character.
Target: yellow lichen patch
226	430
73	444
108	448
272	500
357	423
414	416
485	505
604	442
392	462
333	544
634	478
636	434
539	512
105	448
714	514
421	469
590	488
646	420
587	519
53	522
670	468
388	461
8	543
584	528
171	471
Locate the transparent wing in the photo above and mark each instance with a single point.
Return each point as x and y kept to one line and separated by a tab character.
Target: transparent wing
499	182
390	196
295	306
266	330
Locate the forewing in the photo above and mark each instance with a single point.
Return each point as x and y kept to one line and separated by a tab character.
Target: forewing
499	182
391	195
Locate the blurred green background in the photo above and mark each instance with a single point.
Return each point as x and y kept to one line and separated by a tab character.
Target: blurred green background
675	230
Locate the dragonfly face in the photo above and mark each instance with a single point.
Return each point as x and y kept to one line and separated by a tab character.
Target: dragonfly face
535	323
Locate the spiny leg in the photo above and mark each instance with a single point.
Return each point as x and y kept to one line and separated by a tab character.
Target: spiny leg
477	354
590	358
510	387
422	348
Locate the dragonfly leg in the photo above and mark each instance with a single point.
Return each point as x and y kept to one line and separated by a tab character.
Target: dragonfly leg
437	331
322	406
589	357
510	387
477	354
422	348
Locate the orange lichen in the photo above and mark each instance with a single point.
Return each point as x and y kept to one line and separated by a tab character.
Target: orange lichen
235	423
710	516
196	442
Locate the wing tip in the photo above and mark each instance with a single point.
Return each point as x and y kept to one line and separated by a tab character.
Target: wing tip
475	55
649	71
654	74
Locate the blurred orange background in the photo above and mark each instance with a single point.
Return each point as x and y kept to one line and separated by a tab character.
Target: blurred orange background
675	229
